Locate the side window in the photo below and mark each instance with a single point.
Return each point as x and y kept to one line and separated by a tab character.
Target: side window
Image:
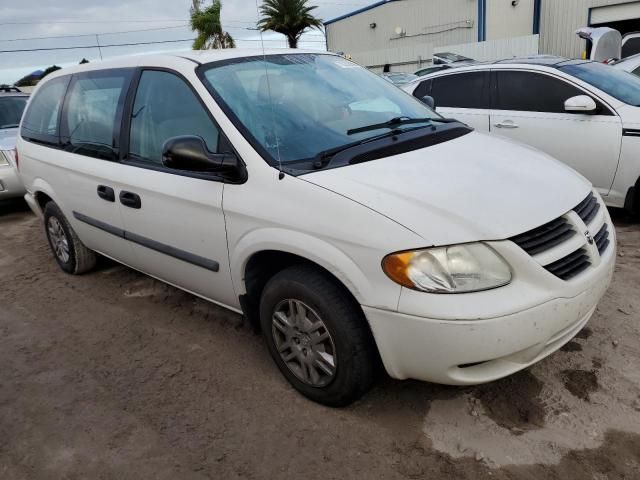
532	92
462	90
631	47
423	89
166	107
40	121
90	122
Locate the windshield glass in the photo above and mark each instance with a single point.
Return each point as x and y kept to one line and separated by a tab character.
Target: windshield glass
619	84
294	106
11	109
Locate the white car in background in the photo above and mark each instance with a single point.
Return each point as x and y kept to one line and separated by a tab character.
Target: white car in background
629	64
398	78
582	113
12	104
352	225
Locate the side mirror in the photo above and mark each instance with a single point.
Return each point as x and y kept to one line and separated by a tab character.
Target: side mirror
428	101
580	104
190	153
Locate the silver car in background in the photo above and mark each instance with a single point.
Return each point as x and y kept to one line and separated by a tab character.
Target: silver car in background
12	104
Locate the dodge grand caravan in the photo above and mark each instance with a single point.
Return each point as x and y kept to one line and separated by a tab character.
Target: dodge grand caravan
344	217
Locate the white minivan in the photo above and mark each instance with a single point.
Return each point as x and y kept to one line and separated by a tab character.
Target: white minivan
344	217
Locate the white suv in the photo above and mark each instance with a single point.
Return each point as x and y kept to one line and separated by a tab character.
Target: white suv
343	216
582	113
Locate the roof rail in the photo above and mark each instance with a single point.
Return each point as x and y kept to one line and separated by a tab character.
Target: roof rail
9	89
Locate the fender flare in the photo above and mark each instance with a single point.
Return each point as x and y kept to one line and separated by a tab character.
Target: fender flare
303	245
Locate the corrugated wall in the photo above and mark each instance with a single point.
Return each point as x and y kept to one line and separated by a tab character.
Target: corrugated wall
432	22
560	19
409	59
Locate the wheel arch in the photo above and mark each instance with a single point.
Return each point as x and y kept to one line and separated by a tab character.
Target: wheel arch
43	193
255	262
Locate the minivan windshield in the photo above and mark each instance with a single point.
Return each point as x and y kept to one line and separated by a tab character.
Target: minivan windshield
295	106
11	109
619	84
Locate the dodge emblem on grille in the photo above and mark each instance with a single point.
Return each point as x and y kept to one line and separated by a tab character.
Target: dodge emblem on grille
589	237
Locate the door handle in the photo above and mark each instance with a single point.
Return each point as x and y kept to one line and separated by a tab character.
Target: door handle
130	199
106	193
506	124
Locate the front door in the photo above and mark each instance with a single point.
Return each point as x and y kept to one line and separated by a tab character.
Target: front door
174	219
529	108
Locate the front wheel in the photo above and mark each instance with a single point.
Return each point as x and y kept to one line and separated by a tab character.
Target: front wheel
318	336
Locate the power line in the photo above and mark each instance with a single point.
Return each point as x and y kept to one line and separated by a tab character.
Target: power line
92	34
137	44
95	46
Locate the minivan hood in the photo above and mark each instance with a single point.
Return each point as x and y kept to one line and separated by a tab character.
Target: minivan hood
476	187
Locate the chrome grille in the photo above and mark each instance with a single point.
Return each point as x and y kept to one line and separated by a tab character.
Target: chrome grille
602	239
571	265
563	246
588	208
545	237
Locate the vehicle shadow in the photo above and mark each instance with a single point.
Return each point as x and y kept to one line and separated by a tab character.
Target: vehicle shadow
622	218
13	205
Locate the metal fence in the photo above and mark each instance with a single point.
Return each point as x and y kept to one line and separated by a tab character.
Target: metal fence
413	57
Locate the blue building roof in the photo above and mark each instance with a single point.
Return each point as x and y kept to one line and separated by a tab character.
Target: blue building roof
360	10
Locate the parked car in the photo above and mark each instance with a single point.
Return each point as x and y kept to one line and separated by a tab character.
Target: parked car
447	58
347	232
629	64
12	104
398	78
583	113
431	69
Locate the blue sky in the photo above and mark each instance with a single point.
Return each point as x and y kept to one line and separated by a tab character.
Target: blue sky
57	19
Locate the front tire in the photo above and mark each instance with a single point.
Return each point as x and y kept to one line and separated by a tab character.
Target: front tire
70	253
318	336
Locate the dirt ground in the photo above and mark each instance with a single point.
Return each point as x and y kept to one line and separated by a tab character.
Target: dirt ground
115	375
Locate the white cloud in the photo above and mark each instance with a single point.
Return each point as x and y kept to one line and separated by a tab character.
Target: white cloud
45	18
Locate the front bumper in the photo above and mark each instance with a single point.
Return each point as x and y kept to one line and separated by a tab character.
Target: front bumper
477	346
10	184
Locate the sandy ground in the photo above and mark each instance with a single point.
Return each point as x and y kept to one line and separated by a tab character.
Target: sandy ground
115	375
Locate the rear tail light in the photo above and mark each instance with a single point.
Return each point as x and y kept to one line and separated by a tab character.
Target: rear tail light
15	155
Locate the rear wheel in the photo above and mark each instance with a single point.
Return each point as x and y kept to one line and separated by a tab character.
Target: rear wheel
318	336
70	253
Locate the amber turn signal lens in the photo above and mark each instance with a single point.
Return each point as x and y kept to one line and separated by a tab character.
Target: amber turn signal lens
396	267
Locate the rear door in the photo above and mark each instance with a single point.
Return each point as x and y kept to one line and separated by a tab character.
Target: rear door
463	96
529	108
82	167
174	219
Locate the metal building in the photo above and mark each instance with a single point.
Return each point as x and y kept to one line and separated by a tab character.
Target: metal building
406	33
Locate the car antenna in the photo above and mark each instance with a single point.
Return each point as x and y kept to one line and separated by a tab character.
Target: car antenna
273	115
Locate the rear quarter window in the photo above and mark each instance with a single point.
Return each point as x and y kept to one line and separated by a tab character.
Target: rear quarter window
41	120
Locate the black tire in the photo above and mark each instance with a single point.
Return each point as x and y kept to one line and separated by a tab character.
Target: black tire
80	258
351	339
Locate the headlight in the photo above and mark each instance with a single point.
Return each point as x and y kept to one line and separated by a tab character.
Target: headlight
455	269
3	158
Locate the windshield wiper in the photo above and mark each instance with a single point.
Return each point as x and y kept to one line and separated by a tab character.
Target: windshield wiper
393	123
11	125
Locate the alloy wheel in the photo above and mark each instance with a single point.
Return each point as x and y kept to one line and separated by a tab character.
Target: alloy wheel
58	239
304	343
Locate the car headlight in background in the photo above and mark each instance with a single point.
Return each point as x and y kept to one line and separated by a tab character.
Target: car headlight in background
3	158
462	268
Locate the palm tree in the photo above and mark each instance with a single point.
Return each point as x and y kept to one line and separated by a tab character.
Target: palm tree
288	17
207	23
